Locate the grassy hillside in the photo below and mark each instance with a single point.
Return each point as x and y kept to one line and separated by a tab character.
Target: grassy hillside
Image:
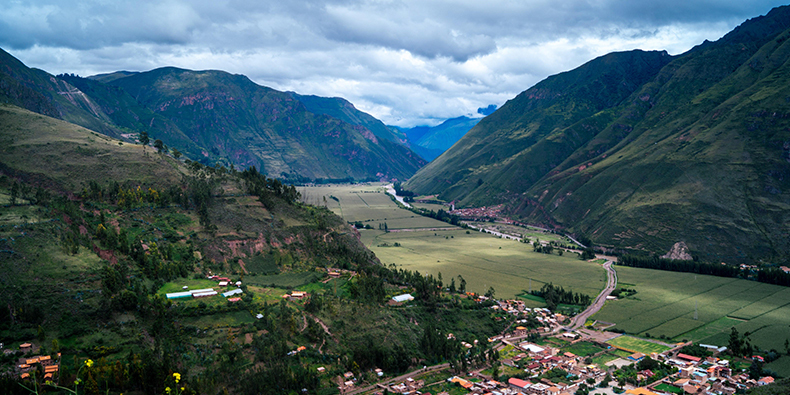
643	150
95	232
67	157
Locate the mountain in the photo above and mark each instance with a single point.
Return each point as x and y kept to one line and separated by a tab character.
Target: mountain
342	109
641	149
213	116
432	141
252	125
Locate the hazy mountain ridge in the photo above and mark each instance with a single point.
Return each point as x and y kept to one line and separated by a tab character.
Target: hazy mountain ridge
432	141
697	151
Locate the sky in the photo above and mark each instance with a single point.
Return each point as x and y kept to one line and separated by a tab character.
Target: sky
405	62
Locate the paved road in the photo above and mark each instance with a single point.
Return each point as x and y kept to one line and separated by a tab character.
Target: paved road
611	283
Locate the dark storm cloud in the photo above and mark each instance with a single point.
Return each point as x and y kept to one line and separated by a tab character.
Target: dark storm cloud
405	61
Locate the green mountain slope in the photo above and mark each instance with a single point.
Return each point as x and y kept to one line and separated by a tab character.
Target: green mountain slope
640	152
214	117
252	125
342	109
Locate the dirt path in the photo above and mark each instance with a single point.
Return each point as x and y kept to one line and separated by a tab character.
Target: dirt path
423	229
326	328
399	378
611	283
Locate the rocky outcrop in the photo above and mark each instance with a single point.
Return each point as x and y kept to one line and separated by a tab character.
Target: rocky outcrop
679	251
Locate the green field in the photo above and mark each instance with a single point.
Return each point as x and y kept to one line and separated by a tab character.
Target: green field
630	343
369	204
582	349
665	306
669	388
484	261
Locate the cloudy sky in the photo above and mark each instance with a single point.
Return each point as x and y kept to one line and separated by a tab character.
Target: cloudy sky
405	62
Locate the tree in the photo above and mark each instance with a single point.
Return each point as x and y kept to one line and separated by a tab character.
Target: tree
144	140
159	145
735	342
755	370
462	284
177	154
14	193
490	293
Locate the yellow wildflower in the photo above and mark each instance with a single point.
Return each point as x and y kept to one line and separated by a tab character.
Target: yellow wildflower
167	390
89	363
177	377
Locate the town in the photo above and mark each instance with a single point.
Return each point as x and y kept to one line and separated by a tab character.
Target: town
534	347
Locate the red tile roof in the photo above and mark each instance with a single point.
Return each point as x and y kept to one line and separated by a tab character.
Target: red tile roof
689	357
518	382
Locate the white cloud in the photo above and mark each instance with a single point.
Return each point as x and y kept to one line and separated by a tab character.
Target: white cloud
405	61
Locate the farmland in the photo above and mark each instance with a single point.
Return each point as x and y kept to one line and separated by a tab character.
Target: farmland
367	204
665	304
633	344
583	349
432	247
663	307
484	261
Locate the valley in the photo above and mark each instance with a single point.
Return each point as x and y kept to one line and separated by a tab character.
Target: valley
671	306
619	227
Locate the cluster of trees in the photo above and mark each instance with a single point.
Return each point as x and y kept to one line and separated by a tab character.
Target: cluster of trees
555	295
19	190
623	292
739	345
628	374
264	188
402	192
768	275
773	275
442	215
360	225
587	254
673	265
696	350
368	288
547	249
